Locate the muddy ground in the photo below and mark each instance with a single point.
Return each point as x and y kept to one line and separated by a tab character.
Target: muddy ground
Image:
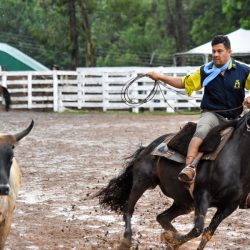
67	158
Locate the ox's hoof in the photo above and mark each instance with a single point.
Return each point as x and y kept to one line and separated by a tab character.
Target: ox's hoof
124	245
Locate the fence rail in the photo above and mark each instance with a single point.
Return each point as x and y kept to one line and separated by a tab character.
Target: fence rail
93	88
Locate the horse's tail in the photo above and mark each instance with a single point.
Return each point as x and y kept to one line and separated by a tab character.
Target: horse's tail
115	195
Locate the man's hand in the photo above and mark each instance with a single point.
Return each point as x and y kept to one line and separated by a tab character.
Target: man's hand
173	81
153	75
246	102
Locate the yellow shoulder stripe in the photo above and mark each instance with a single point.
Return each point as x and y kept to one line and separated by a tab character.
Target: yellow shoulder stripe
247	86
192	82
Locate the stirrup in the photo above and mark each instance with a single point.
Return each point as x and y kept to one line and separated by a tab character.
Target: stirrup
184	174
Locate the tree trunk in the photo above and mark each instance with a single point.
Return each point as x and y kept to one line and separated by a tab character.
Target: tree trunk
73	33
89	51
177	24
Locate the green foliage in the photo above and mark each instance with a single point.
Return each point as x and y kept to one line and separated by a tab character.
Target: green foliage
237	13
208	21
123	32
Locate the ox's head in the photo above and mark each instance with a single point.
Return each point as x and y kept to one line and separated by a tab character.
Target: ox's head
7	144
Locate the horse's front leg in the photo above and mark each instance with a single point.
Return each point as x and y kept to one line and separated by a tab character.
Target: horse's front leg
167	216
200	213
176	239
219	216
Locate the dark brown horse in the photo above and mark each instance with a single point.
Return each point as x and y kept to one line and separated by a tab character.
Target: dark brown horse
223	183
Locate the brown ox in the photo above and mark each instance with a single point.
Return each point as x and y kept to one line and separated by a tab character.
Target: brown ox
10	181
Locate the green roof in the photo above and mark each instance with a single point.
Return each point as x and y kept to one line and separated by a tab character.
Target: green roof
12	59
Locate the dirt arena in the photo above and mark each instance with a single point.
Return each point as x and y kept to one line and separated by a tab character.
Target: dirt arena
67	158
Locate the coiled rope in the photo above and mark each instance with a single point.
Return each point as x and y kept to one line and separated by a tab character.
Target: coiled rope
125	95
130	101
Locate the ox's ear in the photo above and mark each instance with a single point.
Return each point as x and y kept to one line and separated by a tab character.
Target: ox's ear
22	134
6	95
7	139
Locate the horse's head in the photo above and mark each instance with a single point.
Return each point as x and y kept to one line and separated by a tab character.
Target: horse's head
243	125
7	144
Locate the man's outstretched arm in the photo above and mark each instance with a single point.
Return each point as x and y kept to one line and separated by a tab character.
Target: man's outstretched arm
173	81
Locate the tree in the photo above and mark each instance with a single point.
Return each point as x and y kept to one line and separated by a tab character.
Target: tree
89	50
237	13
73	32
208	20
177	23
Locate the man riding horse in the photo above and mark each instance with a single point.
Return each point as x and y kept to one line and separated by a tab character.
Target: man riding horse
224	81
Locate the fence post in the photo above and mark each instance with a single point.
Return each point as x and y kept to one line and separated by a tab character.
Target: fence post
80	89
170	103
4	82
55	91
134	93
105	92
4	79
29	76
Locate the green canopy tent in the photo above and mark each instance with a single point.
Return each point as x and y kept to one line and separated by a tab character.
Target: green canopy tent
12	59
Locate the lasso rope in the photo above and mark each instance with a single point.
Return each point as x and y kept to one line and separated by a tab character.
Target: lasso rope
125	94
126	89
157	87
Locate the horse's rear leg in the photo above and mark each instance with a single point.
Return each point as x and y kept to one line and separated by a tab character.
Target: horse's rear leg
167	216
136	192
219	216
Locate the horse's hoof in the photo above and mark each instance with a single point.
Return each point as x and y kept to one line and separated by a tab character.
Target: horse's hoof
124	245
168	237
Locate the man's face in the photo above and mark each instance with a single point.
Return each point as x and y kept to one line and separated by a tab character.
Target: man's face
220	54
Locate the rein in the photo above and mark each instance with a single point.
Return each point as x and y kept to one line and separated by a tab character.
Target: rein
157	86
247	126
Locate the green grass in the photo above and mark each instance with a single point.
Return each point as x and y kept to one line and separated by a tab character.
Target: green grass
98	112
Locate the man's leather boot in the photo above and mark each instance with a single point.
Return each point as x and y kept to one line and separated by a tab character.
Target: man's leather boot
188	173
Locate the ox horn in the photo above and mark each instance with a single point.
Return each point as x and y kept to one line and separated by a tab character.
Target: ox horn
20	135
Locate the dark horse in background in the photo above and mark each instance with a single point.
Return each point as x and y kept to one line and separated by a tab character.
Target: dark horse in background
6	95
223	183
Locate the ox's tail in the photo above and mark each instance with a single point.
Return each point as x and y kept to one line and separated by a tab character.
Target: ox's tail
115	195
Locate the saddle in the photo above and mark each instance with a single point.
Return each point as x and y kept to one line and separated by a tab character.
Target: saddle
175	146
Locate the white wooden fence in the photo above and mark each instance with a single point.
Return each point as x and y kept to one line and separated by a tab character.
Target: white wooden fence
93	88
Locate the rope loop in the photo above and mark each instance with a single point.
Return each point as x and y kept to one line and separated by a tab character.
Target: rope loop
125	94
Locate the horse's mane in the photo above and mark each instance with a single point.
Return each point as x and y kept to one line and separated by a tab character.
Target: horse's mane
243	119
